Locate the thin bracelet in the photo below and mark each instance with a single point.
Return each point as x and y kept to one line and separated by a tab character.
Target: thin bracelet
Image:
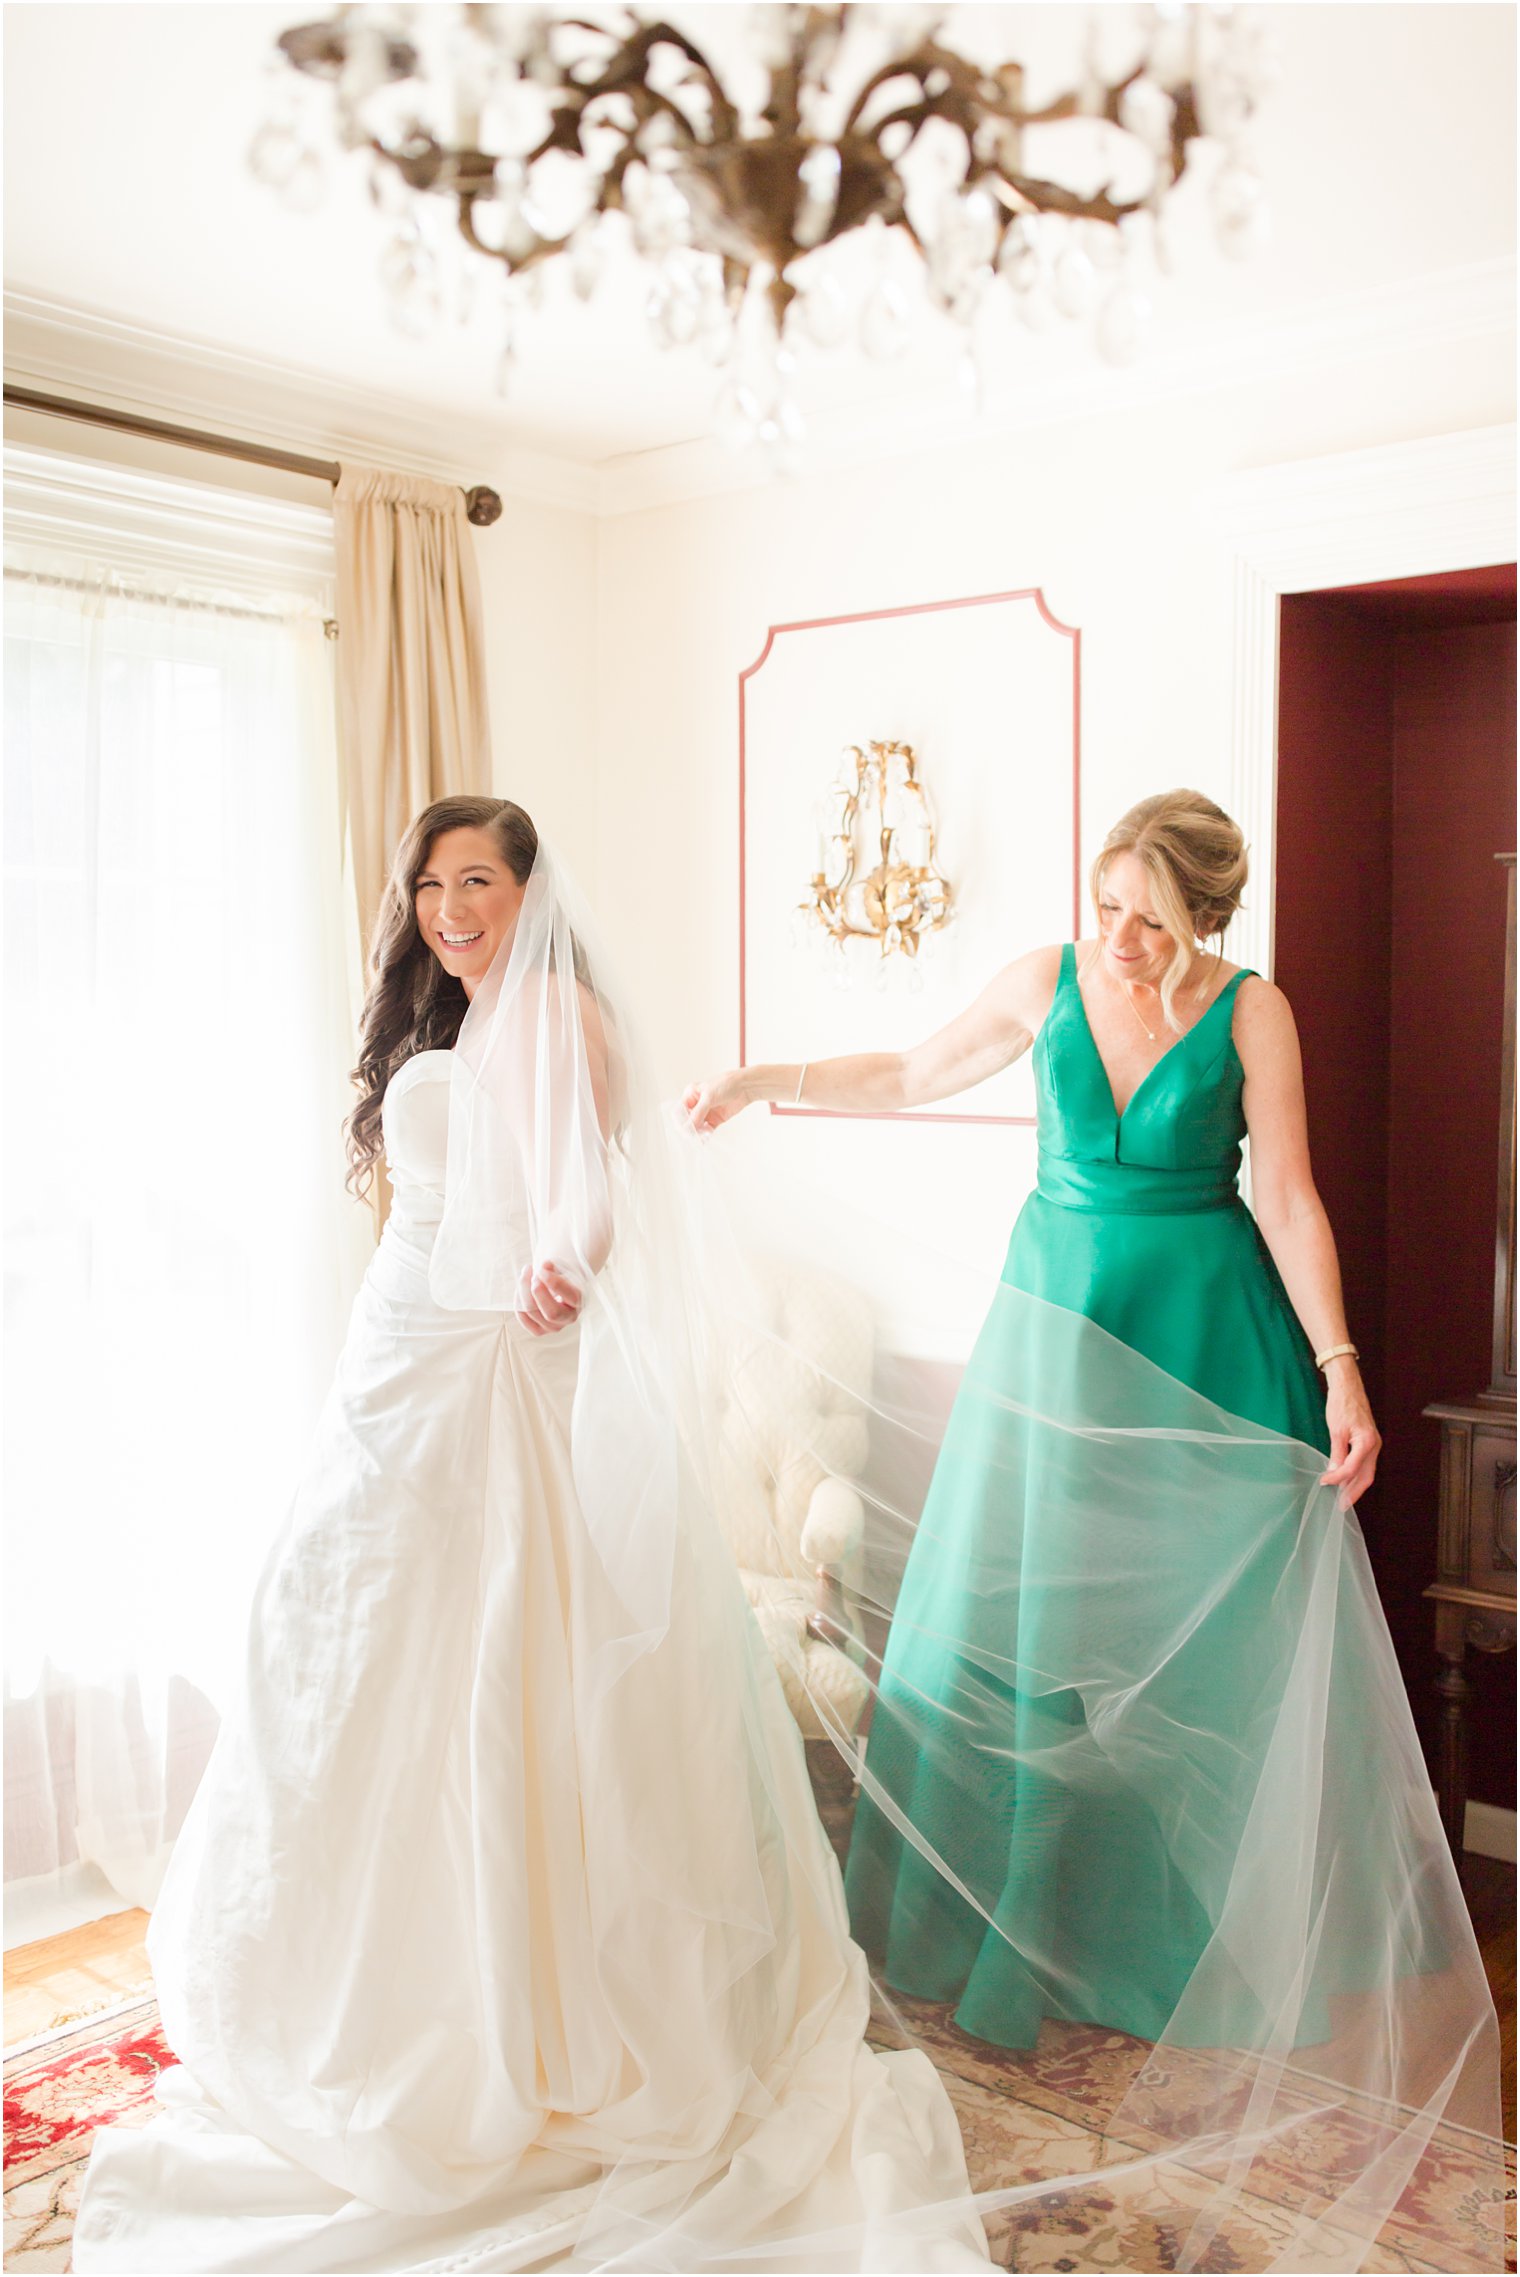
802	1078
1335	1352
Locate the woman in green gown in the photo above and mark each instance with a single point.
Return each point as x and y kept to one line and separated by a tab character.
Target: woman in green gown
1096	1660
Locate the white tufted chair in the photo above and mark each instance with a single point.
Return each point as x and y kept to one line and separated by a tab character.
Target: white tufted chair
790	1437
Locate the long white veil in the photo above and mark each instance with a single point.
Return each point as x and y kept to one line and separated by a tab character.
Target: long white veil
546	1104
1167	1681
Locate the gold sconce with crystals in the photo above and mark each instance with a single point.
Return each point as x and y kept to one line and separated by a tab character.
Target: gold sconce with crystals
877	880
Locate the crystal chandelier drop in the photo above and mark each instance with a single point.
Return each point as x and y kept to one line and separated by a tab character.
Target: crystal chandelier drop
740	182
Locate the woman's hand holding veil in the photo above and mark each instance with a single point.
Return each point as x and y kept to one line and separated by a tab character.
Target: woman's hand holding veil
709	1105
547	1299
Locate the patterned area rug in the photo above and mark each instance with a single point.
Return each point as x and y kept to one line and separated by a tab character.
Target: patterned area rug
1023	2117
95	2072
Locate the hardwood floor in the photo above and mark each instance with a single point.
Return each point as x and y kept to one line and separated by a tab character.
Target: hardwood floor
67	1976
90	1967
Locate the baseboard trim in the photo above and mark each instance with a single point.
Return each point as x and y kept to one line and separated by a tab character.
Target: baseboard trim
1490	1831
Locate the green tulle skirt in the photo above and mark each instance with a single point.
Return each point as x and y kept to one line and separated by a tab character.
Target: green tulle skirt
1137	1671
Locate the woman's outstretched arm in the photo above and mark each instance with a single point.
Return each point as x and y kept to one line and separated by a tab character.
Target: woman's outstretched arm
1294	1225
984	1039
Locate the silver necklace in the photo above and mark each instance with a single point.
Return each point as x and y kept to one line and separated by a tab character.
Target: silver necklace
1134	1007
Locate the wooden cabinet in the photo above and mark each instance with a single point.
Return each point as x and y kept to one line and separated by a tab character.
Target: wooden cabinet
1474	1592
1474	1589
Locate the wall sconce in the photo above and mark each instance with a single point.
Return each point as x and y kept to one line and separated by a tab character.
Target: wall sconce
876	879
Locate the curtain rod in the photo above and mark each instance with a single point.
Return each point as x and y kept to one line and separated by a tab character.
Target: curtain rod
482	506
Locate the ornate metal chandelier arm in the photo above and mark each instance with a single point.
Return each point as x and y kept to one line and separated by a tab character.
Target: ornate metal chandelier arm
913	116
908	67
868	184
541	249
967	99
1037	196
624	74
1032	192
956	107
1186	127
620	77
725	116
783	109
1072	106
609	196
424	159
811	53
646	102
968	91
726	202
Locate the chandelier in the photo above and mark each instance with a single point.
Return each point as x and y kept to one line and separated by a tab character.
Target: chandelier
877	879
537	134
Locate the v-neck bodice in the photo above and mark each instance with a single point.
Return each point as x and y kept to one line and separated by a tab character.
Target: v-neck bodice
1175	1145
1137	1221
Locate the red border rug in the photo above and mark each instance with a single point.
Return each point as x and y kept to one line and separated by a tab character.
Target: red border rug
95	2072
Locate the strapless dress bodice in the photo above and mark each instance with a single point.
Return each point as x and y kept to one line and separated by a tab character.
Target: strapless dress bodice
414	1118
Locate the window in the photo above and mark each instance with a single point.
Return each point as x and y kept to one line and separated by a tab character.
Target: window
179	1248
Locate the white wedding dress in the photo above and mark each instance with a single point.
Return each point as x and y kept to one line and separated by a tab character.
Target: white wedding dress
470	1962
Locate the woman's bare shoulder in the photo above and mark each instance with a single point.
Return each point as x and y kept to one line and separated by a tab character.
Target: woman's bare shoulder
1262	1018
1043	964
1028	984
1258	998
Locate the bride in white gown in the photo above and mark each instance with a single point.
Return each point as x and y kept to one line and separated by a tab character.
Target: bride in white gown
503	1933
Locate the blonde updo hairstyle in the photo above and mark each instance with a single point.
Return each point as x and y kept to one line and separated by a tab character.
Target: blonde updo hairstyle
1195	859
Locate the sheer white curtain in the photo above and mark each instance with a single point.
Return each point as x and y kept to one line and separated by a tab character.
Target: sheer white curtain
180	1250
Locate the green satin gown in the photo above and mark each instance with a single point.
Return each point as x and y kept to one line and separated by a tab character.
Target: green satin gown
1092	1625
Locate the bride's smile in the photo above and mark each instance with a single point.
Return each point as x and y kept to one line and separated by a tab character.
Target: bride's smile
466	902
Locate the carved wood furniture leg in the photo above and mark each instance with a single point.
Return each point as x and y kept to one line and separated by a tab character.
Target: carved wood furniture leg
1454	1693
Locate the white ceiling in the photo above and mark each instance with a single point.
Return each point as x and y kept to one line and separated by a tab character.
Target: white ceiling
1388	149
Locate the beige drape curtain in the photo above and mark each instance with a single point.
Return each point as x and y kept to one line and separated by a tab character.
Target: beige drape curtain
411	662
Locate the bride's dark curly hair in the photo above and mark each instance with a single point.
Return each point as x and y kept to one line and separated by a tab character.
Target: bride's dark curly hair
413	1005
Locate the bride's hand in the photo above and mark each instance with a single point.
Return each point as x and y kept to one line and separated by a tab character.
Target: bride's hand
1354	1437
547	1299
709	1105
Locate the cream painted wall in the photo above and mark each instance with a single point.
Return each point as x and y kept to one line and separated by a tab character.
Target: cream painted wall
1111	519
538	593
